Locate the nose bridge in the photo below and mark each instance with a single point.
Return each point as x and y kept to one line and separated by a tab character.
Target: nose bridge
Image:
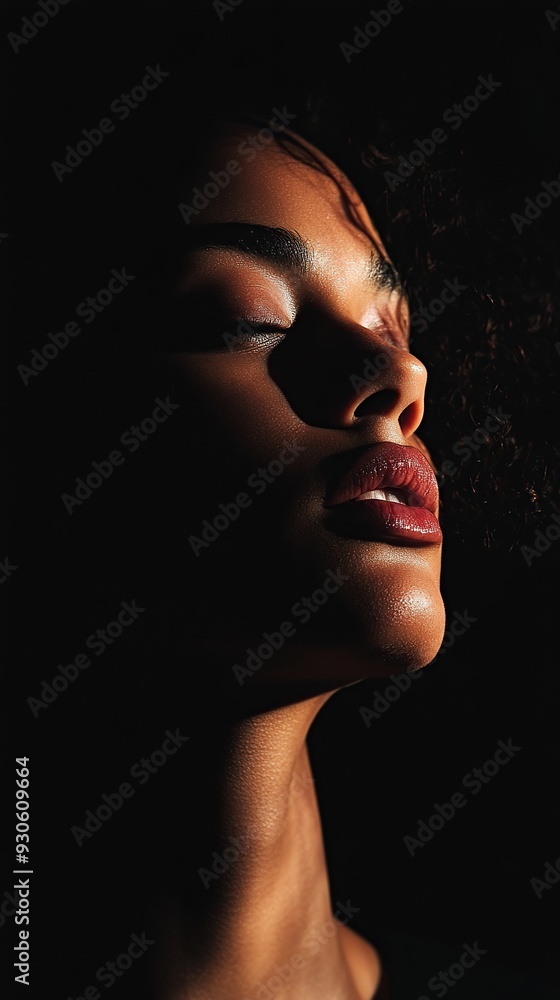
377	378
336	372
368	331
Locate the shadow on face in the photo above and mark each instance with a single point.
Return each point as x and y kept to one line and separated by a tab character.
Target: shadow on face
263	357
286	349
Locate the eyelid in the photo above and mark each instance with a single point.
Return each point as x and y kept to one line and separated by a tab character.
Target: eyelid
258	332
402	342
264	323
388	322
394	335
251	277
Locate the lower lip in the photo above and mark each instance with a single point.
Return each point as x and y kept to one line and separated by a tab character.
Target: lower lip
381	520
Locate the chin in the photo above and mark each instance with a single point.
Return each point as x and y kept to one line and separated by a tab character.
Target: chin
404	634
389	615
409	637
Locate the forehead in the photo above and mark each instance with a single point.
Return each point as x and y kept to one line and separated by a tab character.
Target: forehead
283	182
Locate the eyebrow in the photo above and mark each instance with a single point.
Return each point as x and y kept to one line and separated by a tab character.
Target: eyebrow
280	246
384	274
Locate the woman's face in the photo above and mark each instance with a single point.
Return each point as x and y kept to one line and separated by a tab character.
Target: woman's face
298	395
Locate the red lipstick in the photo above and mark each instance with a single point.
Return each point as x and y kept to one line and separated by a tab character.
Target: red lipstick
389	494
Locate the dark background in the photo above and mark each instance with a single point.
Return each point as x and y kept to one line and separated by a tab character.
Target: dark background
499	680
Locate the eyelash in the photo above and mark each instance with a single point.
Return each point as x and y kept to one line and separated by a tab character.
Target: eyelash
239	332
262	332
259	333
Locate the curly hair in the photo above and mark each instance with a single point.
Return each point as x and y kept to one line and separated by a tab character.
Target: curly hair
444	215
492	354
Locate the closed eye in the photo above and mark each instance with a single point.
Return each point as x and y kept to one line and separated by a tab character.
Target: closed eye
195	326
245	330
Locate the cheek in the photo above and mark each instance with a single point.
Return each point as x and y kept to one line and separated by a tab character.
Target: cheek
232	401
234	421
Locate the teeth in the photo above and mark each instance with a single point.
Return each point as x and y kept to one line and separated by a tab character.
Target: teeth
393	496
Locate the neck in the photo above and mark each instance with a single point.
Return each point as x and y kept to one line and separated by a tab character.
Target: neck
254	890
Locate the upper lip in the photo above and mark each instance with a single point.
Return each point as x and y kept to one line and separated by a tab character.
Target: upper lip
387	466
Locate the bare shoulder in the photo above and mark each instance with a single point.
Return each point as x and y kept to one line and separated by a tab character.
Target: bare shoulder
364	962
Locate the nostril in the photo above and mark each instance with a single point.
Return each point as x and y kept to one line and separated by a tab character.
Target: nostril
380	403
410	418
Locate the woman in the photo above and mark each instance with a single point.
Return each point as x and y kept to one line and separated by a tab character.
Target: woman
268	513
339	508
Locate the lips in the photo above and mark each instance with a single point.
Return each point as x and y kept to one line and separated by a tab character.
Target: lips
390	493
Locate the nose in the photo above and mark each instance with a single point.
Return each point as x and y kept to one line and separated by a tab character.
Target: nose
347	376
391	386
